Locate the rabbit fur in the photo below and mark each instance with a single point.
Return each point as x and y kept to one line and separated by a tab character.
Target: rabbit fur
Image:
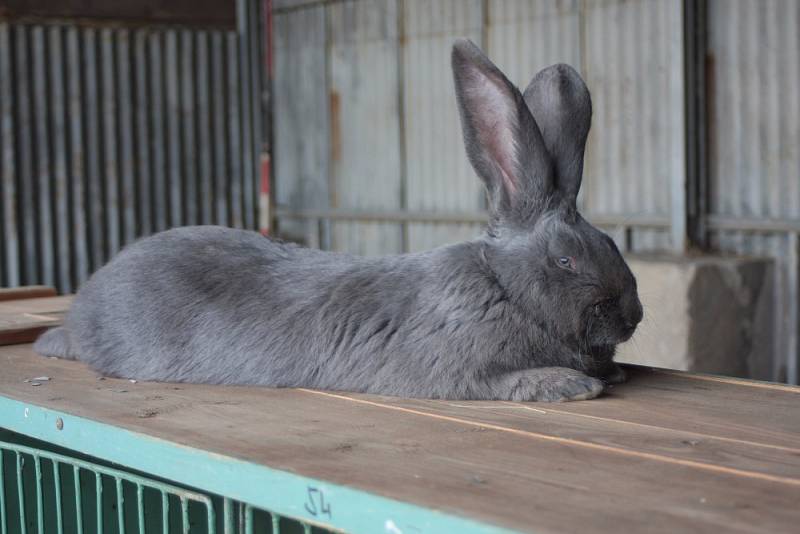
530	310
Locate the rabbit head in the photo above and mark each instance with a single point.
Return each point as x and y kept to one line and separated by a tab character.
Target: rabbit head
568	276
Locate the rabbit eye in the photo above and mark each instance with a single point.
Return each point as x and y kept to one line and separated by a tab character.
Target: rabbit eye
567	261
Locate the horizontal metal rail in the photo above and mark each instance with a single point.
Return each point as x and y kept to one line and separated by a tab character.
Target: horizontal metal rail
465	217
714	222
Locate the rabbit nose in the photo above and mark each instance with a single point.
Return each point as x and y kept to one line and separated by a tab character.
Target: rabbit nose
636	318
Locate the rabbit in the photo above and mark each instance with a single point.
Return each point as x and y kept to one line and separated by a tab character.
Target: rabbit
531	310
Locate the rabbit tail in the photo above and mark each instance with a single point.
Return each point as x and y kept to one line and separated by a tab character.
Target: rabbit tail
55	343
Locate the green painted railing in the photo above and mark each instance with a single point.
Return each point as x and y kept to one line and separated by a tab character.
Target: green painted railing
121	481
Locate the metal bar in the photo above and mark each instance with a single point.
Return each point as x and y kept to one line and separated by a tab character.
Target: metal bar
234	132
306	528
42	150
77	157
248	519
476	217
37	465
24	128
793	315
143	133
8	163
248	175
204	129
211	517
185	515
716	222
220	133
140	507
158	138
276	523
3	518
21	495
256	55
126	132
227	516
76	482
173	129
61	179
98	492
120	506
164	512
111	160
95	198
187	80
57	487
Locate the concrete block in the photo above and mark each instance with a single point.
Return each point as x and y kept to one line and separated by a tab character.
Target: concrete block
710	314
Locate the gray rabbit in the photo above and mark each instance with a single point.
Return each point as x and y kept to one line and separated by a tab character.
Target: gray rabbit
529	311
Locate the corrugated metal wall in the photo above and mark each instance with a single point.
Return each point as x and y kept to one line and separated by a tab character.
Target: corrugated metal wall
111	133
754	144
366	87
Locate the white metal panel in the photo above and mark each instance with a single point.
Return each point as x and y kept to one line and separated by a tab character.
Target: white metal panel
754	141
300	113
439	175
365	122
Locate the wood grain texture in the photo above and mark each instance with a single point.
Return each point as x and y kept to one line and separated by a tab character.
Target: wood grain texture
22	321
25	292
664	453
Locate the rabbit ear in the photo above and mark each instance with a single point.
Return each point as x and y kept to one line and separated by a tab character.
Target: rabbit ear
502	139
562	107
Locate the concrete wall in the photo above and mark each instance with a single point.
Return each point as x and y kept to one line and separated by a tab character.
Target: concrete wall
709	314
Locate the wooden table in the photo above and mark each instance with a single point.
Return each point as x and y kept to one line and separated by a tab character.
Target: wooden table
665	452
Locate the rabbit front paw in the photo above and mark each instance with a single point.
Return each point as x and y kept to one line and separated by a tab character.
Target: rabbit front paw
548	384
614	374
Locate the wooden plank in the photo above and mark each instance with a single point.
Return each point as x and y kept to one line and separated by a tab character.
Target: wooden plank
16	328
556	468
43	305
26	292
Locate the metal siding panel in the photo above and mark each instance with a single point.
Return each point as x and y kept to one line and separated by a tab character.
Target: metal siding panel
248	171
59	132
8	165
158	139
173	113
365	130
204	129
95	197
439	175
127	163
77	157
110	142
754	148
235	146
634	150
191	200
301	120
25	143
220	133
524	37
144	175
41	149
